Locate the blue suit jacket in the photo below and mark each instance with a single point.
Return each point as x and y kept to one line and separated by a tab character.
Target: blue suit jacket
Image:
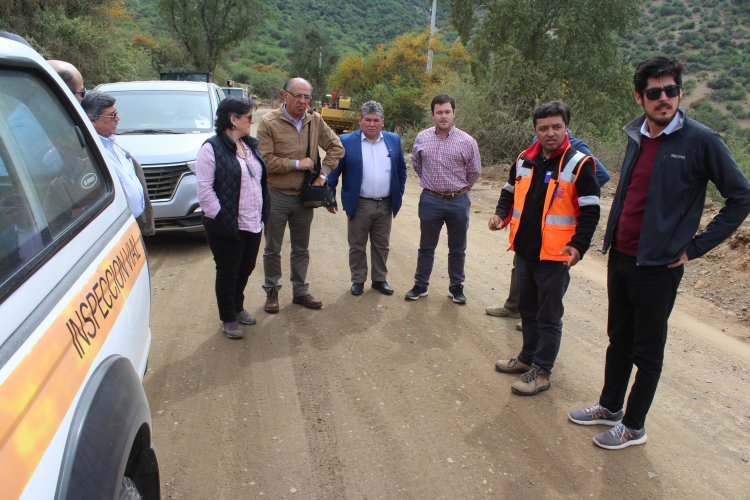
350	170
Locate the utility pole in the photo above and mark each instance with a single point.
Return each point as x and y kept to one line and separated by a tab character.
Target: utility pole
432	35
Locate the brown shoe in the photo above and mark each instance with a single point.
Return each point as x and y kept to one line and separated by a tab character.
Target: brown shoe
502	312
308	301
512	365
272	301
532	382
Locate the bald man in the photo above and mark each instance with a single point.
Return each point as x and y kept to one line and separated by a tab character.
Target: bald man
71	76
289	140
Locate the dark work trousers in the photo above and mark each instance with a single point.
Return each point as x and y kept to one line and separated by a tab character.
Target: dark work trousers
542	286
433	213
372	221
640	302
511	303
235	261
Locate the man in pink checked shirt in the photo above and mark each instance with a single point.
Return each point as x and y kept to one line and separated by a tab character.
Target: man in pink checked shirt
447	162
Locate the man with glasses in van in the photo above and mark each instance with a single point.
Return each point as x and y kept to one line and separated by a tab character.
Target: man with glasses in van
102	111
651	234
289	140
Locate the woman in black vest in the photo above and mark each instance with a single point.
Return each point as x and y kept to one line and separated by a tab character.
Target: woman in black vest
234	197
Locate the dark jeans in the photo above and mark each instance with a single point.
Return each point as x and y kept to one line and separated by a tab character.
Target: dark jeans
640	302
542	286
511	303
235	261
433	213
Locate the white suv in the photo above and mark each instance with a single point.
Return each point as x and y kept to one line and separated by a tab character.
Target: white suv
163	124
74	302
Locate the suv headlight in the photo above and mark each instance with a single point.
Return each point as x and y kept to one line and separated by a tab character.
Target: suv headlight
191	166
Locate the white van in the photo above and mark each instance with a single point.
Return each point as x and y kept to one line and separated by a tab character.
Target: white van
74	302
163	124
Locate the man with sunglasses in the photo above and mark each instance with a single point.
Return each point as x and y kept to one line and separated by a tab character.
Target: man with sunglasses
71	76
102	111
651	234
289	141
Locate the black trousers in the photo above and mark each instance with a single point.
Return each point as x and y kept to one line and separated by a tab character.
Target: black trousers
235	261
542	286
640	302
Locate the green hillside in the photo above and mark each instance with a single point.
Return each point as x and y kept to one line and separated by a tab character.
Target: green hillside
352	25
713	38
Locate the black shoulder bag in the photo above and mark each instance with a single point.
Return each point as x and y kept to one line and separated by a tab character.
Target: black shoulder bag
315	196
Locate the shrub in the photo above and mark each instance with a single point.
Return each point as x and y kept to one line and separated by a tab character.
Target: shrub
730	94
689	85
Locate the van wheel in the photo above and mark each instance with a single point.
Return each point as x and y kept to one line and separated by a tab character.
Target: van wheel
128	490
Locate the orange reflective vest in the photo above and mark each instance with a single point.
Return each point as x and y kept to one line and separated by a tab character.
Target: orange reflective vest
560	213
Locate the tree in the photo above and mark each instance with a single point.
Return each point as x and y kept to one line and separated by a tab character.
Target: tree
311	56
532	51
395	75
88	33
208	28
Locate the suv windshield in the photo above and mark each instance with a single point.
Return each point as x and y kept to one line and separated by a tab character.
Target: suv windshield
155	111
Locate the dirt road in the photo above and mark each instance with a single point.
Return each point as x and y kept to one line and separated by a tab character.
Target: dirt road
377	397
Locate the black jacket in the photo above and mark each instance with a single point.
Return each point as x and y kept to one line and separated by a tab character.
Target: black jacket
227	180
687	159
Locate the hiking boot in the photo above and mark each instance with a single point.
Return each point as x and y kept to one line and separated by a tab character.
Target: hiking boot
512	365
416	292
307	301
502	312
595	415
532	382
272	301
456	292
619	437
232	330
245	318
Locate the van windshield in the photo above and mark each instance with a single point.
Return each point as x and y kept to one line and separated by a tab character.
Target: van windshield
155	111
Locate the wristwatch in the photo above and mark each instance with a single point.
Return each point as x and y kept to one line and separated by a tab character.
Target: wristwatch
323	175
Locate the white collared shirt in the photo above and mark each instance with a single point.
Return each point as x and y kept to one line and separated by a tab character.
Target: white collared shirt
376	168
126	174
667	130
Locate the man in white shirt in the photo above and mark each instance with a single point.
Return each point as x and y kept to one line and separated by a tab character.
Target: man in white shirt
102	111
373	173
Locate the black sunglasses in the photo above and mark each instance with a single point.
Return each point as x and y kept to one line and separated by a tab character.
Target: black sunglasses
654	93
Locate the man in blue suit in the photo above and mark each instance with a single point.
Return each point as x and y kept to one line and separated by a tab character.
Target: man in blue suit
373	172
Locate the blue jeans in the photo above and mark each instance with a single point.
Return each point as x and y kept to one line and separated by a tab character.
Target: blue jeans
542	286
433	213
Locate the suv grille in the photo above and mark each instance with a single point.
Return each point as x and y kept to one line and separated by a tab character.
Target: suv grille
161	180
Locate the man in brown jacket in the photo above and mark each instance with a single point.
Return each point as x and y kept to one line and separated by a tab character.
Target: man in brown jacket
284	135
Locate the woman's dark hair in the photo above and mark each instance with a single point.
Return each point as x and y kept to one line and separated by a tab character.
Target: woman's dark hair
237	106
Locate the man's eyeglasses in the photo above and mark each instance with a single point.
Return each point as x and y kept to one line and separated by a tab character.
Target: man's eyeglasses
297	95
81	92
111	117
654	93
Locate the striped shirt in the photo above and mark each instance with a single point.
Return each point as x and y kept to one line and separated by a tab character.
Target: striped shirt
446	164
